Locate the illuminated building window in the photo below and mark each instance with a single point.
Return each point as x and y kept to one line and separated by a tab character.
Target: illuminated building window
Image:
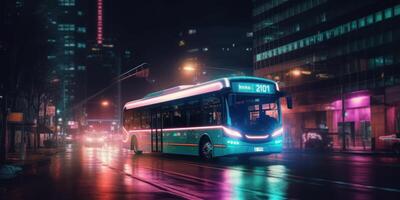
80	13
193	50
81	29
66	2
69	52
388	13
81	45
370	19
66	27
81	67
69	45
378	16
181	43
192	31
331	33
397	10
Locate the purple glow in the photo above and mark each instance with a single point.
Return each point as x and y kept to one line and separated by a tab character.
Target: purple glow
354	102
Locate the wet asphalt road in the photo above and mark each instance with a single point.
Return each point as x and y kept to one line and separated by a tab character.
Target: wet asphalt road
115	173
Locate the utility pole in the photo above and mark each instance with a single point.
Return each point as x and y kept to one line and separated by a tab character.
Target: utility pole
3	129
343	116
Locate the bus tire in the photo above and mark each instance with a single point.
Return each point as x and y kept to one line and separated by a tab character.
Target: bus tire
243	158
396	149
206	149
134	146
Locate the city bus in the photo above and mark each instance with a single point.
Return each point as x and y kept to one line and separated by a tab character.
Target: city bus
227	116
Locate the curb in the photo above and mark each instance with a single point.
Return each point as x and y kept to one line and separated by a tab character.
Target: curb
368	153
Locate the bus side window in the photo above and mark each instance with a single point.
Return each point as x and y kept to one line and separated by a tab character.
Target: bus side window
128	119
167	119
212	110
145	119
194	113
136	120
178	116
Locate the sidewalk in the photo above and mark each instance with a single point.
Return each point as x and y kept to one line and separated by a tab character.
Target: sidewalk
30	164
366	153
350	152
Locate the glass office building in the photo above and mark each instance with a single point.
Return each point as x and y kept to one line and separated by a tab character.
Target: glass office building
67	47
339	60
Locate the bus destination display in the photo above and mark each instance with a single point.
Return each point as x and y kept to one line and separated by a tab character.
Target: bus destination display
255	88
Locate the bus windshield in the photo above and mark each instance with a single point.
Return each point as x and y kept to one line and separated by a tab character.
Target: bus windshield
254	113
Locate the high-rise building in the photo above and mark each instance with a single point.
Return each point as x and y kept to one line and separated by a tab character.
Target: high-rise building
104	65
67	54
339	60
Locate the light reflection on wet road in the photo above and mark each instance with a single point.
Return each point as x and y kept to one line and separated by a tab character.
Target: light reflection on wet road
115	173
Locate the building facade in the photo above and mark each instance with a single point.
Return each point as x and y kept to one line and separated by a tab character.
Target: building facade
67	38
340	62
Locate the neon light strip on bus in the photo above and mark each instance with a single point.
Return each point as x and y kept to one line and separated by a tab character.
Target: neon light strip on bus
228	131
212	87
257	137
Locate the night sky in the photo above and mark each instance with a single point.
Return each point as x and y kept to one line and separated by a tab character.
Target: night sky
150	28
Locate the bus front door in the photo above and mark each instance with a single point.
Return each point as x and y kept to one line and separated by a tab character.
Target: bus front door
156	132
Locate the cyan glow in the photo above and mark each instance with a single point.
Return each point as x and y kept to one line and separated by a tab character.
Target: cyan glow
278	141
232	132
278	132
258	149
255	88
257	137
232	142
228	131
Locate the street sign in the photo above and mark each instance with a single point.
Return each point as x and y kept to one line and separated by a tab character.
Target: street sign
15	117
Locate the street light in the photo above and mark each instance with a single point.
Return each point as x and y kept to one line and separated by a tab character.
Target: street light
189	67
196	69
105	103
296	72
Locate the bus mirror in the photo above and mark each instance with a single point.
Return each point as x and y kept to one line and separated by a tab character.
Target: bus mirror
289	102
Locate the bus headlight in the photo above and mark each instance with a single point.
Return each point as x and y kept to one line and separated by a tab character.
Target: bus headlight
277	133
232	132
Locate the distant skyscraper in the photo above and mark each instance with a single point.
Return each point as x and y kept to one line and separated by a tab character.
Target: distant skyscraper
104	65
67	54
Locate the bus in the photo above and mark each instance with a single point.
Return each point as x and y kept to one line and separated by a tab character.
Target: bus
227	116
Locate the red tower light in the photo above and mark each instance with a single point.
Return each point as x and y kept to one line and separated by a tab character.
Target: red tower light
99	22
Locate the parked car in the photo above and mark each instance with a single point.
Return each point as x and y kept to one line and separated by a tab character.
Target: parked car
317	139
394	141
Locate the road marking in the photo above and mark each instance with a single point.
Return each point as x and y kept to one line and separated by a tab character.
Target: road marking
162	186
180	175
302	178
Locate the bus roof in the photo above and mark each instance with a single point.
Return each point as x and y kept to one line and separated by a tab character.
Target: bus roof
183	91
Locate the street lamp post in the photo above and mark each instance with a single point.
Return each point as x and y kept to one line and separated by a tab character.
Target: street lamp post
196	70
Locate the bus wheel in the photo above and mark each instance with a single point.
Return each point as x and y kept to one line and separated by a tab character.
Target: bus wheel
206	149
396	148
134	146
243	158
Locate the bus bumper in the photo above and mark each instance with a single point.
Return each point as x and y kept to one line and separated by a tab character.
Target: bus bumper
240	147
